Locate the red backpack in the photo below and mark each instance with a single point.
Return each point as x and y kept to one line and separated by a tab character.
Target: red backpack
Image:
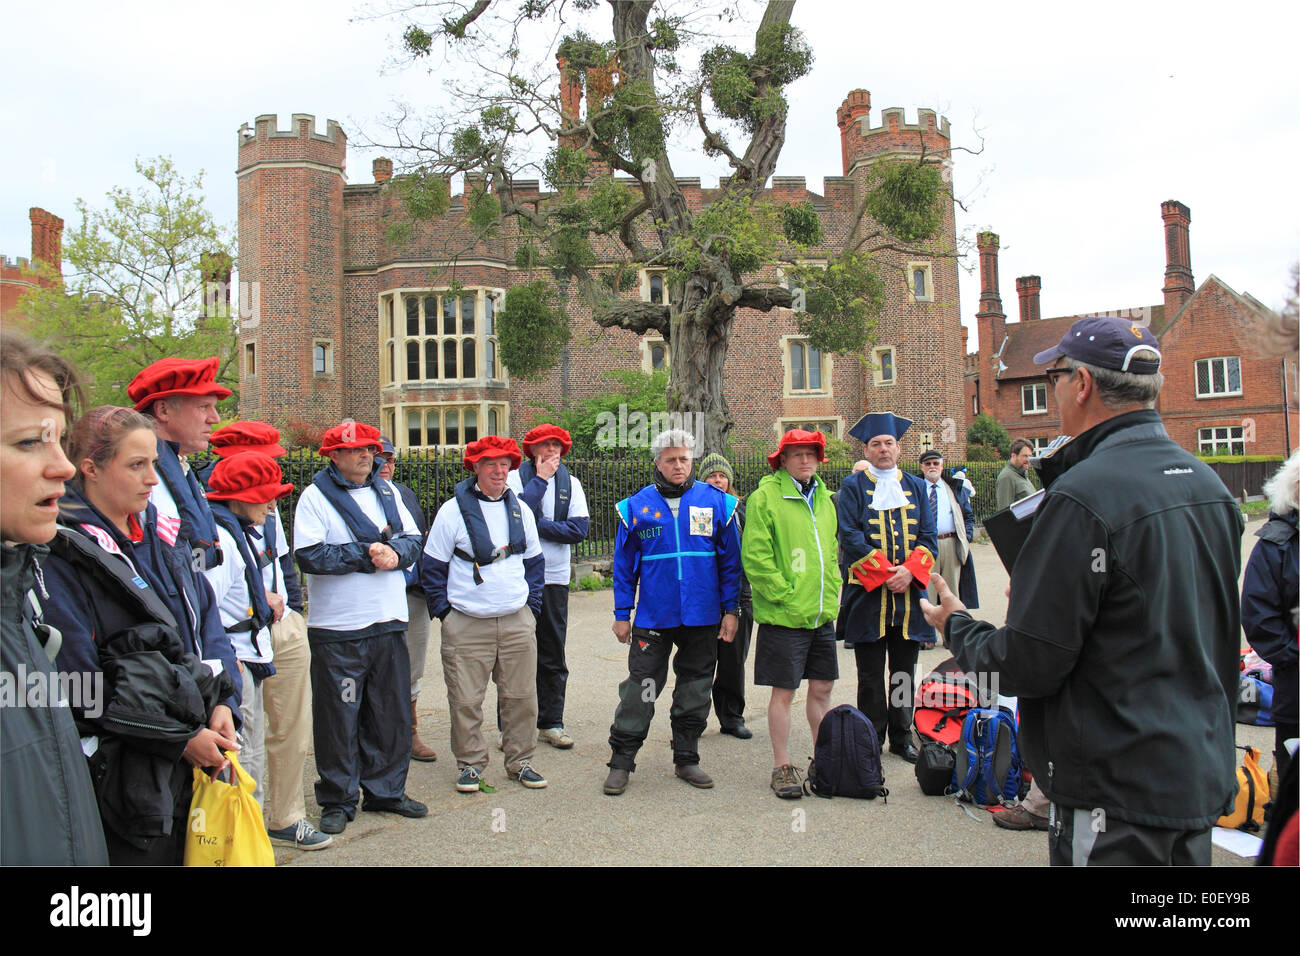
942	700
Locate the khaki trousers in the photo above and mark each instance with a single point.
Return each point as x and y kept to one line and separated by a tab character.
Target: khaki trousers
502	649
946	563
286	696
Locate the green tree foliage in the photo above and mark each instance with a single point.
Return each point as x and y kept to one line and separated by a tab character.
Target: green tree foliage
133	290
532	329
905	200
985	430
636	393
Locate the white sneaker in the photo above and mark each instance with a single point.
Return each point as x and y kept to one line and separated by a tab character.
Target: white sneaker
557	737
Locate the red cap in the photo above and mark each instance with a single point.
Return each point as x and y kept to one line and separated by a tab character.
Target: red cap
545	433
350	435
246	436
797	436
176	376
492	446
248	476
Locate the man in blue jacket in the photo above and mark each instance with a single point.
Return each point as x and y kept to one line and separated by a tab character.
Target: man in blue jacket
678	543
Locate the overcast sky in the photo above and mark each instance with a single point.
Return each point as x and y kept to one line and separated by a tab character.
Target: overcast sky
1090	115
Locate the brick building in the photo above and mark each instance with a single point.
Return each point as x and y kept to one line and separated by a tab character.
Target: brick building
19	276
1221	393
365	314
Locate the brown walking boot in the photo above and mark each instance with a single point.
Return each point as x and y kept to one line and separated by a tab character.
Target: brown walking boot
419	749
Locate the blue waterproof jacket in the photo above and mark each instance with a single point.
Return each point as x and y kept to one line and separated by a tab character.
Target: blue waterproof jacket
687	569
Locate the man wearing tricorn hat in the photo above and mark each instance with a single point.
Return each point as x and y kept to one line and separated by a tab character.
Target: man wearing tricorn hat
352	537
483	574
888	541
558	503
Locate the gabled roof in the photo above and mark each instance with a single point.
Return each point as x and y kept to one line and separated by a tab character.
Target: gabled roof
1249	305
1027	339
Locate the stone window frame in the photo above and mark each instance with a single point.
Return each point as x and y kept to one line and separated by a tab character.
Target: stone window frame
1035	389
649	342
328	346
909	280
645	286
250	359
396	418
787	422
1209	367
826	366
395	338
878	365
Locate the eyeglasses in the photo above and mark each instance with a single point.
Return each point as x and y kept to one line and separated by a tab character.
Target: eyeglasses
1055	373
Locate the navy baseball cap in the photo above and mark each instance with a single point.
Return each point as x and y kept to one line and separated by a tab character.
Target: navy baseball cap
386	446
1106	341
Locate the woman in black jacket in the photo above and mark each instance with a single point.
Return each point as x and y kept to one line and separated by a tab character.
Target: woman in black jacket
160	712
47	808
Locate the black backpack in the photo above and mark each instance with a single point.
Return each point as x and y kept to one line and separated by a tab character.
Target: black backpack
846	761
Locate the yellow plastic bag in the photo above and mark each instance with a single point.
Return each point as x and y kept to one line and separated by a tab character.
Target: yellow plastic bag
225	825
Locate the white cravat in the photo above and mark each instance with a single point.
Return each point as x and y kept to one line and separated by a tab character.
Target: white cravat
889	490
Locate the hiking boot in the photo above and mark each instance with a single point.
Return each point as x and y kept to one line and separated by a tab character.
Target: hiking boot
403	806
616	782
419	749
529	777
785	782
1018	818
557	737
301	836
692	774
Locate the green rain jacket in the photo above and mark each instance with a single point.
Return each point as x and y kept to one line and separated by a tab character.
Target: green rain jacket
788	552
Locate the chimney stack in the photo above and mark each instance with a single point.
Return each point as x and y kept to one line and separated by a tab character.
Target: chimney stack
1178	256
47	238
990	320
855	106
1027	288
382	168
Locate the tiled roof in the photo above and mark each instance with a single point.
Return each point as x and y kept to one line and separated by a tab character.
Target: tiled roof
1027	339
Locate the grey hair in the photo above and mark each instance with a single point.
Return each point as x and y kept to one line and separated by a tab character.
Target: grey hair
1122	389
1281	490
673	438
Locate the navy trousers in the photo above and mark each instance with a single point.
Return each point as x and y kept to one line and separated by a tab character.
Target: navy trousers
361	714
552	671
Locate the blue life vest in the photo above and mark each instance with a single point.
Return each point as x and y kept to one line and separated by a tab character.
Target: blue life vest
197	524
335	489
471	511
563	487
262	615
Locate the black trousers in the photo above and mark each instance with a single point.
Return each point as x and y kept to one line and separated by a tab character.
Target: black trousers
888	708
552	671
1090	838
647	673
729	680
361	718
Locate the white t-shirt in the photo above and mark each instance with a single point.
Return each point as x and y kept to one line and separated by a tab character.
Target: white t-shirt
234	602
557	554
504	589
358	599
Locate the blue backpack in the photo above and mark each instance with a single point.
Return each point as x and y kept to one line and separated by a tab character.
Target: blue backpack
846	761
988	769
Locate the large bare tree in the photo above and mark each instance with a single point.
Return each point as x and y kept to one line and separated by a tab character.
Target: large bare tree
616	205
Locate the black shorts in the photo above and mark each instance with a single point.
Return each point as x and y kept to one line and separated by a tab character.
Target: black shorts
788	655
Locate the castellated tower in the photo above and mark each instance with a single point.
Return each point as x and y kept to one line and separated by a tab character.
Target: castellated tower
291	271
921	323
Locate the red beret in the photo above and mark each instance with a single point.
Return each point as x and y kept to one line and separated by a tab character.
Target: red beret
246	436
249	476
545	433
176	376
492	446
350	435
797	436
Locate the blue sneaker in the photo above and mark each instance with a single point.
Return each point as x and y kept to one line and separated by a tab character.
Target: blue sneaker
301	836
469	780
529	777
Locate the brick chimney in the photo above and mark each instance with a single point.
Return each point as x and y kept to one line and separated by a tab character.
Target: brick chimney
990	319
1178	256
1027	288
382	168
47	238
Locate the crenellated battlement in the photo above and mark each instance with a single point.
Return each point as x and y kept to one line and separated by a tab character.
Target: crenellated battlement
265	142
301	126
893	120
22	263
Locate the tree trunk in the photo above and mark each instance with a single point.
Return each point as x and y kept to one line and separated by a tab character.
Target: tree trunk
699	342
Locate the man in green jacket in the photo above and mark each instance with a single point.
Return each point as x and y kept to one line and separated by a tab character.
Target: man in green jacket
789	557
1013	480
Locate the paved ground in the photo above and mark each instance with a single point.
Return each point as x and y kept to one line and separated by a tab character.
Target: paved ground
663	821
